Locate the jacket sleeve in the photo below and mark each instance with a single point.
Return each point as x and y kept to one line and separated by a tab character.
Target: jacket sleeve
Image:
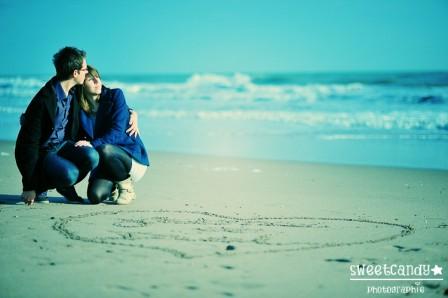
115	134
27	145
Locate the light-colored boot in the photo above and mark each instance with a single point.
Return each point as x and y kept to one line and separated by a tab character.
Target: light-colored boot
126	193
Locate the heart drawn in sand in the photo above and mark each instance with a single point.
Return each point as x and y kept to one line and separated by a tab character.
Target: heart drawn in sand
190	234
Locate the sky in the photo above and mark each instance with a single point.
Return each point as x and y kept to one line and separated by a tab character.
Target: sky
258	36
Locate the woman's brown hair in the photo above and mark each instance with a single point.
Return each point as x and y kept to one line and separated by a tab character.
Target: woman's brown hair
85	104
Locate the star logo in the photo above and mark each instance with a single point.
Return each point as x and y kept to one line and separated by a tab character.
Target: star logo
436	270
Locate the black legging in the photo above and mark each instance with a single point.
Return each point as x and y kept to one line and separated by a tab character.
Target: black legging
115	165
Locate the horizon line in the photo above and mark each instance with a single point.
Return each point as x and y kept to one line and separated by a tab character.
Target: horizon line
250	72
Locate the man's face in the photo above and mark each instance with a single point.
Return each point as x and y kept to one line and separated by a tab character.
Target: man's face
80	74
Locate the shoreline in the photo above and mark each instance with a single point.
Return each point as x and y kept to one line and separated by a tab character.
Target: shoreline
299	162
7	143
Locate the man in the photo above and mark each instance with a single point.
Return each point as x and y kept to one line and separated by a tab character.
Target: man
45	152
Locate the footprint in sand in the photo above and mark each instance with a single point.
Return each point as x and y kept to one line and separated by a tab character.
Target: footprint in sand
405	249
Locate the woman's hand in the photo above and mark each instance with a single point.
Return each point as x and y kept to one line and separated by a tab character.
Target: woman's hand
83	143
133	124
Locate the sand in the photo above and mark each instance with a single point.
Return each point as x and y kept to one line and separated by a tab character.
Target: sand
207	226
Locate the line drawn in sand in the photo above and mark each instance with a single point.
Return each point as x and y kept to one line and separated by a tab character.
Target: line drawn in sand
192	234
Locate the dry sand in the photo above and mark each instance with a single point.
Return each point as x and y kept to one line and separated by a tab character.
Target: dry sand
224	227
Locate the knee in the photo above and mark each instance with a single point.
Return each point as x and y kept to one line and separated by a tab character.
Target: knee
69	176
105	150
91	158
96	195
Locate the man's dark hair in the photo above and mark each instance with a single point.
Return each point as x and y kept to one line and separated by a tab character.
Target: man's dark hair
66	61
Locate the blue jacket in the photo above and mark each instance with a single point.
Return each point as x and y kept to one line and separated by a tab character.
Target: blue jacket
112	119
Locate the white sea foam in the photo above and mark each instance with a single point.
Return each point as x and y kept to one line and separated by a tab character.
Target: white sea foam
370	136
237	87
428	120
11	110
20	87
240	87
208	97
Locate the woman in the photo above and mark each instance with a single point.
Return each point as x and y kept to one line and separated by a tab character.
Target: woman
123	159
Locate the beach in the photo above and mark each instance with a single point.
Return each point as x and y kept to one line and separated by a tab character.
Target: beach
296	149
209	226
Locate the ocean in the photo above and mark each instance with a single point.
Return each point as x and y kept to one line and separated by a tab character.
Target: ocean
379	119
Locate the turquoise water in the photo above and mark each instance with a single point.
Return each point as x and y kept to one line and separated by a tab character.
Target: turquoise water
386	119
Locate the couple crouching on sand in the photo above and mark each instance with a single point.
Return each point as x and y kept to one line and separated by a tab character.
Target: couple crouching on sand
74	125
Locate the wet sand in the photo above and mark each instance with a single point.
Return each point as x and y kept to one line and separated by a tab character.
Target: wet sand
224	227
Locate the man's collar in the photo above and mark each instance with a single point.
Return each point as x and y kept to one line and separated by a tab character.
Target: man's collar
60	94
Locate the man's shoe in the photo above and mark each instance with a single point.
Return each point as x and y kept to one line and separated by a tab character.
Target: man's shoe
70	194
42	198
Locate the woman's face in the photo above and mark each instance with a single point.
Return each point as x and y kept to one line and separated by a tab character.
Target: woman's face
92	85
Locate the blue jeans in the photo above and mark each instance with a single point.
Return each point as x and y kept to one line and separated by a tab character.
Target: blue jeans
68	165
